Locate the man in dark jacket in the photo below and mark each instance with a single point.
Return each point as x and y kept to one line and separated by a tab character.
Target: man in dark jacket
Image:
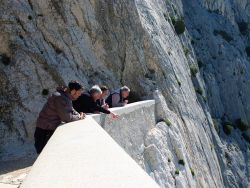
119	97
87	102
58	109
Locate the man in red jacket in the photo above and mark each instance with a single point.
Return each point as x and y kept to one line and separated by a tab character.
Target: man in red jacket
58	109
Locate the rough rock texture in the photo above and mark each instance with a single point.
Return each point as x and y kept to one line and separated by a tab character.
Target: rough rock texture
160	148
203	73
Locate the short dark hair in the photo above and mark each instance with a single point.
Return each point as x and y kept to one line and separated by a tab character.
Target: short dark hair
74	85
104	88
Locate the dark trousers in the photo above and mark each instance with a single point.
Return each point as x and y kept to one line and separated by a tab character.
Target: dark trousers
42	136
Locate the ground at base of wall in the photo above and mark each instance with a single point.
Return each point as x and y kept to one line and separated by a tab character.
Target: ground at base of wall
13	172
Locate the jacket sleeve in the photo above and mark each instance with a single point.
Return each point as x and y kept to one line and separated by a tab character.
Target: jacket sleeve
75	115
98	108
64	112
101	109
115	101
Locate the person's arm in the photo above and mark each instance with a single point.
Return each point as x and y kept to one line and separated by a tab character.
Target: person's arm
100	109
103	110
66	114
75	115
115	101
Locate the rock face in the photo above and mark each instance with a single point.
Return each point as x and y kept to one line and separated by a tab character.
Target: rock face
202	72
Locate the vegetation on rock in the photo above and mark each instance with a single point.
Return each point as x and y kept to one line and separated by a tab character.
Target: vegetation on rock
181	162
227	128
177	172
192	172
179	25
194	70
241	124
199	91
168	122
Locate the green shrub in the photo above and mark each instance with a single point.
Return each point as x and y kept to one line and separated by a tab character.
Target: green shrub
227	128
192	172
194	70
241	124
168	122
179	25
243	27
5	59
223	34
186	50
181	162
246	137
45	92
177	172
227	122
172	19
199	91
200	63
179	82
211	146
248	51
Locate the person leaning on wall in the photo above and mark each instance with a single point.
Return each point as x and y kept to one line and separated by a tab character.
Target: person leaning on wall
119	97
87	102
102	100
57	109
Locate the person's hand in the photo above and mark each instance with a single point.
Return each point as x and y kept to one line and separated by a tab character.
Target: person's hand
125	101
82	115
105	106
114	115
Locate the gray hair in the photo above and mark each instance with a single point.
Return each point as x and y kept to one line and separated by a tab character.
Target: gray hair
95	89
125	88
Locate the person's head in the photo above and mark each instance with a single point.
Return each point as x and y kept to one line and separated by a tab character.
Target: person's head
105	91
124	91
75	89
95	92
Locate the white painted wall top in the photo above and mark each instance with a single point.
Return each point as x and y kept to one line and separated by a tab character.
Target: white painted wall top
82	155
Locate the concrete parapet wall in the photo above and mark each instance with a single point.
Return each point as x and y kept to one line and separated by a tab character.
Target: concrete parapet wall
81	154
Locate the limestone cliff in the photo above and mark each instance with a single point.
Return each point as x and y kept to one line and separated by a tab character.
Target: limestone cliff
195	52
